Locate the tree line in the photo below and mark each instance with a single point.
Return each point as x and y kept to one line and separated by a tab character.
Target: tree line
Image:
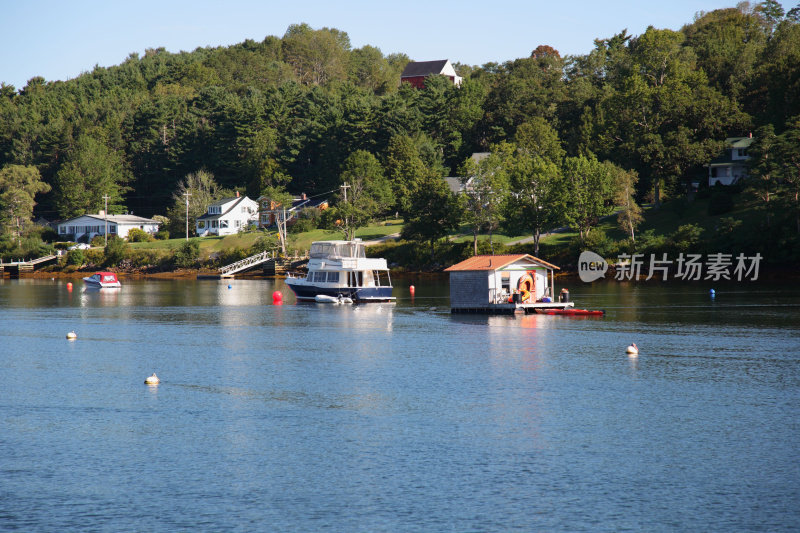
631	121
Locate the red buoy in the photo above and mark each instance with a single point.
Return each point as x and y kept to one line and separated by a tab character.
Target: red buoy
411	290
277	298
69	286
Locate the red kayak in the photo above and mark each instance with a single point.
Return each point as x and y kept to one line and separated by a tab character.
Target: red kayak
570	312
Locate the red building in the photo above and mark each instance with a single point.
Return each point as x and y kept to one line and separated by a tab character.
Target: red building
416	72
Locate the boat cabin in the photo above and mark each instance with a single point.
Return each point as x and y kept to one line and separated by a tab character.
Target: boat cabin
341	268
502	284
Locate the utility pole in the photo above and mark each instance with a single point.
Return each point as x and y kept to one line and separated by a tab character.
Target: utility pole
105	215
344	188
187	195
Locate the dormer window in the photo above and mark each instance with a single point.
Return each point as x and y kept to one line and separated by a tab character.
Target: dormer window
214	210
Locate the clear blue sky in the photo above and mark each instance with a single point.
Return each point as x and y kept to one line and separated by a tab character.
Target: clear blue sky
60	39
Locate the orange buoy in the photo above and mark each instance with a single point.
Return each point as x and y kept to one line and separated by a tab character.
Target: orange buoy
69	286
277	298
411	290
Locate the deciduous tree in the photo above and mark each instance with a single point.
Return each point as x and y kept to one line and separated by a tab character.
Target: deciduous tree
19	186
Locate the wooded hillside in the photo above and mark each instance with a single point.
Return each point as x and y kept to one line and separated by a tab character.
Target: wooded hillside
288	112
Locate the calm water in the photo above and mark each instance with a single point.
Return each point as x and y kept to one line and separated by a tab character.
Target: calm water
397	417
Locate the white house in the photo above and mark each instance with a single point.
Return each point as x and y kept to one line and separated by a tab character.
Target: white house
228	216
732	165
85	227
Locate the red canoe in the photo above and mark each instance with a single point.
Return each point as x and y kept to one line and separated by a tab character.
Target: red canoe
570	312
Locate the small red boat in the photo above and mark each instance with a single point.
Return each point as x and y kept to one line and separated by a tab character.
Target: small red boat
571	312
102	280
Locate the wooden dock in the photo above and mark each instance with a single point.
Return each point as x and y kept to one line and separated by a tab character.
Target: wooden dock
14	268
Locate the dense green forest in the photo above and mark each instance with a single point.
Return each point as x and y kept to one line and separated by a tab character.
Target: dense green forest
631	122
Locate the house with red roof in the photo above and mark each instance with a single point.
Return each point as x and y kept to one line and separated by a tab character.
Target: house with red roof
416	72
498	284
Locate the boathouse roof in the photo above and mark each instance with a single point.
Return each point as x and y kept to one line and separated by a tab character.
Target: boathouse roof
495	262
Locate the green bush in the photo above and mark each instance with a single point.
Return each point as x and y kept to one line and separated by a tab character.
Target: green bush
139	235
139	258
187	254
76	257
721	201
685	239
95	256
304	223
162	235
596	241
114	251
98	240
263	244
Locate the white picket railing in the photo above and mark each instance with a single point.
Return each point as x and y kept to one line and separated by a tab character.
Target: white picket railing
247	262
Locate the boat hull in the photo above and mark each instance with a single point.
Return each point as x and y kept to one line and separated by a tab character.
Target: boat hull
570	312
91	284
309	292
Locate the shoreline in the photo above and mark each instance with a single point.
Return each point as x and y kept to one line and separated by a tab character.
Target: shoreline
771	275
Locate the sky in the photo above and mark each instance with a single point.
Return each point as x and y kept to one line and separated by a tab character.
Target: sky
60	39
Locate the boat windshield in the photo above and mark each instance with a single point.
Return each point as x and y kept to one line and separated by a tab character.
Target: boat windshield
322	250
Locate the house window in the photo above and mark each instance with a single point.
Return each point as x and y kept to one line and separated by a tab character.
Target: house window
112	229
201	224
214	224
62	230
223	223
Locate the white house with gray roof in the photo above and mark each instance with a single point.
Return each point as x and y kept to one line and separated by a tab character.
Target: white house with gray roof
228	216
85	227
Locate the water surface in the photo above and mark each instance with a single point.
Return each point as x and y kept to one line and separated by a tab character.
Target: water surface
397	417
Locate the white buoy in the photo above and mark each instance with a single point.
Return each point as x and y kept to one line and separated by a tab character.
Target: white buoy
72	335
632	349
152	380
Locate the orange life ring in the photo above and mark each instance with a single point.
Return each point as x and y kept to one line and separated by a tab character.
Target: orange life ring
526	285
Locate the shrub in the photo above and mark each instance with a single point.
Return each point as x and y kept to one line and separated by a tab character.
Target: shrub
147	258
98	240
686	238
95	256
721	201
596	241
162	235
76	257
303	224
187	254
115	251
138	235
263	244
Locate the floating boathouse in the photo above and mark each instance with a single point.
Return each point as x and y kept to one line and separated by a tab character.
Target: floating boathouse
502	284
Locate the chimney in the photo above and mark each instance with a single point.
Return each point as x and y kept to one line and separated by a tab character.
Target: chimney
304	196
237	194
750	134
102	213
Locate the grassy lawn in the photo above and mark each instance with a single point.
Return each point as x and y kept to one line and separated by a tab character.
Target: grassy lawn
207	244
300	241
